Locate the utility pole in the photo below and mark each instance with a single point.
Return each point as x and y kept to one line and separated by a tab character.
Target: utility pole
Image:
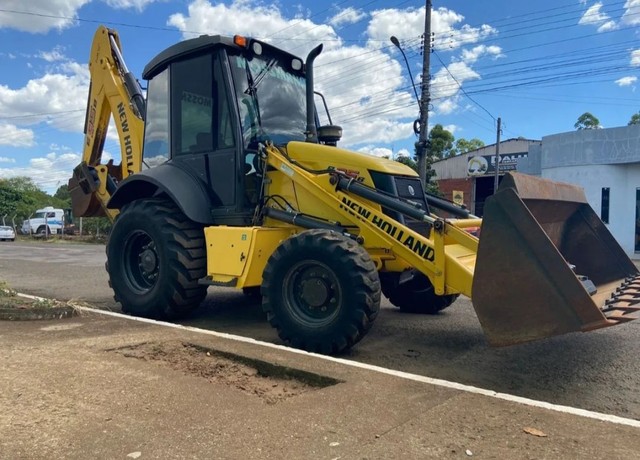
497	162
422	149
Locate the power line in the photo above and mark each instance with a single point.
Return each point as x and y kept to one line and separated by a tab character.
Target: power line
460	86
43	114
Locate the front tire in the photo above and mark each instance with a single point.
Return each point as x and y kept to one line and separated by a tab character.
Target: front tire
321	291
416	295
155	257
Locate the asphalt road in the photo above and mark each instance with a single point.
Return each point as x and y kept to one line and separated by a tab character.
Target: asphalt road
596	371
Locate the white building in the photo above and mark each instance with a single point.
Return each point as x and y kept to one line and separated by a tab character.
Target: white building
606	164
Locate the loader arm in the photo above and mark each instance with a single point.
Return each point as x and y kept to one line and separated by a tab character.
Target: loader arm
447	259
113	91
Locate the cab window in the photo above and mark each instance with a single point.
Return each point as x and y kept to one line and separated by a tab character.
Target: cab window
156	136
200	109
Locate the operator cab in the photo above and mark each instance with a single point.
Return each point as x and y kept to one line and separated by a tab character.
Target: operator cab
211	102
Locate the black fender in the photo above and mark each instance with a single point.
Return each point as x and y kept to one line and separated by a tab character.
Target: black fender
185	190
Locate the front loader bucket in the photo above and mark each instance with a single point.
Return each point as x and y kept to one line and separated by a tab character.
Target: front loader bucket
547	265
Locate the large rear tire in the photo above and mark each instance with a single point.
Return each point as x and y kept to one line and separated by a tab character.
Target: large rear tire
414	296
321	291
155	257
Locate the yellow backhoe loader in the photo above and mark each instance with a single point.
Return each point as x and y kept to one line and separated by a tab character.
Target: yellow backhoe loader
228	179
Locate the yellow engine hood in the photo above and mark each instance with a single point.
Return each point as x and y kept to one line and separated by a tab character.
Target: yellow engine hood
317	156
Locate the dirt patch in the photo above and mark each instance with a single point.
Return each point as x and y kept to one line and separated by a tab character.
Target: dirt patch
267	381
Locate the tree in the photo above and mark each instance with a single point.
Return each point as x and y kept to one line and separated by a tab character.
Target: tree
63	194
440	142
22	184
9	199
464	146
432	186
20	197
635	119
26	197
408	161
587	121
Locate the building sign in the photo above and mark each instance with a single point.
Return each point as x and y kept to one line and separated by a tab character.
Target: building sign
483	165
458	197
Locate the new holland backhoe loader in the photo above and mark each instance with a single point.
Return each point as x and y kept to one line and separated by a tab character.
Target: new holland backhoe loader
227	179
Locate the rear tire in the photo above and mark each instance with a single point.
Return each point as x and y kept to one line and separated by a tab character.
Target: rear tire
155	257
414	296
321	291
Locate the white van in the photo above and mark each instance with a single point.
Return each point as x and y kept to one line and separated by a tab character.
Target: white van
49	220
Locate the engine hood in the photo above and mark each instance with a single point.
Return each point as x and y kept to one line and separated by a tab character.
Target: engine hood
317	156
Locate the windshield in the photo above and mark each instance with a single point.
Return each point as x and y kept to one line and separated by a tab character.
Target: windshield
271	99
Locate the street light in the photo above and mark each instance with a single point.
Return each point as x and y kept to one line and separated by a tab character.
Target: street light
395	41
420	125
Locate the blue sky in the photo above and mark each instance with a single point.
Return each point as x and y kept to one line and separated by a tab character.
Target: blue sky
537	65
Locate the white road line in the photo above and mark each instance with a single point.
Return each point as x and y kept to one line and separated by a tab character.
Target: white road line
404	375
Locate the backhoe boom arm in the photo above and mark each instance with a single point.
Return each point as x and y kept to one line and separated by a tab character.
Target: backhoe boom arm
113	91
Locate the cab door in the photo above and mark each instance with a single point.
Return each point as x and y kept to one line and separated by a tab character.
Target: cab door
203	130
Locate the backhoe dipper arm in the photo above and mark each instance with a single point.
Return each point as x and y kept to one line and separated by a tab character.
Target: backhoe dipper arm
113	91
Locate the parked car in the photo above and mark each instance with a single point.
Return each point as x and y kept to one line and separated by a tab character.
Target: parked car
7	233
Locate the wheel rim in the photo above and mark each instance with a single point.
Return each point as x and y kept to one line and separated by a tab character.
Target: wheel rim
141	261
312	293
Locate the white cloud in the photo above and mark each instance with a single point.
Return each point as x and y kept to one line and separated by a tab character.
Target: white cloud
347	16
123	4
472	55
248	17
370	109
609	25
14	136
595	17
635	58
447	105
631	15
451	128
626	81
56	54
41	15
384	23
50	94
444	88
48	172
7	160
376	151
